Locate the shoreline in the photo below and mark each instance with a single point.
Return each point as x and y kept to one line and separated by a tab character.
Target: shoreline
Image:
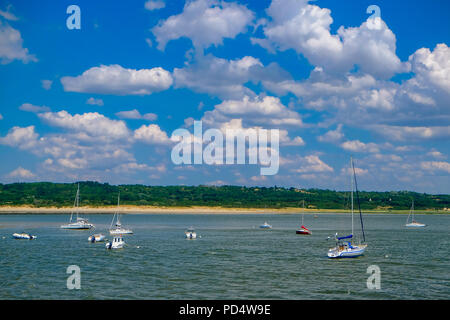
192	210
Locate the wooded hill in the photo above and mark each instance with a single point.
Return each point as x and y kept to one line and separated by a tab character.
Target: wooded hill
46	194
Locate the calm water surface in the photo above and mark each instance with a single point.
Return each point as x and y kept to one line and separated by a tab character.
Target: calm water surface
233	259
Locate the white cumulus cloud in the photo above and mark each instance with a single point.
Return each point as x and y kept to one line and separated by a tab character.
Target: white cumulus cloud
116	80
11	46
135	114
32	108
154	5
259	110
305	28
21	173
312	164
95	102
92	124
151	134
436	165
205	22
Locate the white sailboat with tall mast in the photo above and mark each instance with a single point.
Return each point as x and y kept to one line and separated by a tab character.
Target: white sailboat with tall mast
345	245
118	229
80	222
413	222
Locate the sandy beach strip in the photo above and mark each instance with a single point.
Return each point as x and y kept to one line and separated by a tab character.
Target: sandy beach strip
147	210
187	210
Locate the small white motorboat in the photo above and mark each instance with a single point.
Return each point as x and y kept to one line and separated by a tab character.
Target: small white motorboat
190	233
117	243
97	238
23	235
265	226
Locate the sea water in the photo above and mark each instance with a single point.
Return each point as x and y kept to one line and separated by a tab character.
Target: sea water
232	258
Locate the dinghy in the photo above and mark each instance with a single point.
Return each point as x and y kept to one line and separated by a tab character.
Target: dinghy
23	235
97	238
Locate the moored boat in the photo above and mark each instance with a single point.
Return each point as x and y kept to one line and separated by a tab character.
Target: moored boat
116	243
23	235
97	238
413	222
345	247
80	223
118	228
265	225
190	233
303	230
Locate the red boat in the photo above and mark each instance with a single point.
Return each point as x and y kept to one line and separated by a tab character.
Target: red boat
303	230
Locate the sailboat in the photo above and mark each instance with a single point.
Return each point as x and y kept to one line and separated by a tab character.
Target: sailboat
265	225
345	247
118	229
303	230
413	222
80	223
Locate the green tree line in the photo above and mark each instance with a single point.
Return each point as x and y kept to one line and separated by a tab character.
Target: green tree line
46	194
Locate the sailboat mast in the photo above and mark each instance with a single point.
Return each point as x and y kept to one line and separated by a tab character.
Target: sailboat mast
118	201
359	204
351	183
303	212
74	206
78	200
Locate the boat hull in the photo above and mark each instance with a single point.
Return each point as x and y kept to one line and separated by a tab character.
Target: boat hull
77	226
356	251
303	230
191	235
415	225
23	236
114	245
117	243
97	238
121	231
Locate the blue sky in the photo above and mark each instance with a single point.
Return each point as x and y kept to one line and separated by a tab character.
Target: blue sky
334	82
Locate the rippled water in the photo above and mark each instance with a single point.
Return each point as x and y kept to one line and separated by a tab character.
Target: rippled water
233	259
